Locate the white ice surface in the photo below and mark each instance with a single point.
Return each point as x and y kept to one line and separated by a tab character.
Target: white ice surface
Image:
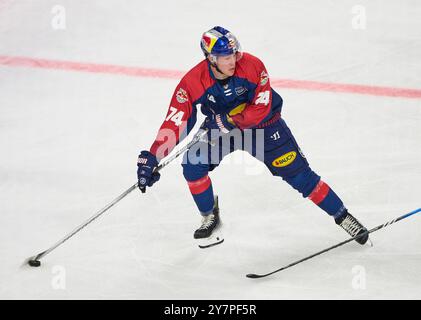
69	143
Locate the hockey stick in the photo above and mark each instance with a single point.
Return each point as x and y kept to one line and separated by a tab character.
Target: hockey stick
255	276
34	260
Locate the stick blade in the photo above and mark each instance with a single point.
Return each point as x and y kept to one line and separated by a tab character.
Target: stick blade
31	261
25	263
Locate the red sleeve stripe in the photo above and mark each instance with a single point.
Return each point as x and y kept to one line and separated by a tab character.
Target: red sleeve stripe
319	193
200	185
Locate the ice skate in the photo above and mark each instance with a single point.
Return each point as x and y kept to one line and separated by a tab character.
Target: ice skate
352	226
209	233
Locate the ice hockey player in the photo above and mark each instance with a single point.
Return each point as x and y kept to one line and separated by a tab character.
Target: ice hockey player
232	89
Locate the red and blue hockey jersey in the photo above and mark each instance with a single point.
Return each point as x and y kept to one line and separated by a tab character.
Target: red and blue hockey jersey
246	96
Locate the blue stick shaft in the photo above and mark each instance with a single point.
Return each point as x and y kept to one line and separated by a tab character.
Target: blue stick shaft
253	275
395	220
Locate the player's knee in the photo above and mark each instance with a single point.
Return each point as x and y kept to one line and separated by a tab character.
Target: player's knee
304	182
193	169
193	172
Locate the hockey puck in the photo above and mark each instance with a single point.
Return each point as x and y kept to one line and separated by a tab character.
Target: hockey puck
34	263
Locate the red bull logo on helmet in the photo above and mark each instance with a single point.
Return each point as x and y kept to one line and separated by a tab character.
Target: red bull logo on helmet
208	41
232	43
219	41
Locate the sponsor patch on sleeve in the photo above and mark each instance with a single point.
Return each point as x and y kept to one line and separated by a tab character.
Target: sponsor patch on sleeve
181	95
264	77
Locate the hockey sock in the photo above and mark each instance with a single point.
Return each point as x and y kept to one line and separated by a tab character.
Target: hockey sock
309	184
327	199
202	193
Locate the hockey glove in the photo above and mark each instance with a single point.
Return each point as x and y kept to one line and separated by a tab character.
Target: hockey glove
218	122
146	165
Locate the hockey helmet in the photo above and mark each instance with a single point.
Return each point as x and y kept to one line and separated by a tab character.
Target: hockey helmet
219	42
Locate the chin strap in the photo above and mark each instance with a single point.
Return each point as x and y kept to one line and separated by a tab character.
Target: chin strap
217	69
213	64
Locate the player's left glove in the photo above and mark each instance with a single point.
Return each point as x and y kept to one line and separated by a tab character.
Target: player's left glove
219	122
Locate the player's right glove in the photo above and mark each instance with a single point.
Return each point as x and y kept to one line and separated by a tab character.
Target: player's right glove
146	164
218	122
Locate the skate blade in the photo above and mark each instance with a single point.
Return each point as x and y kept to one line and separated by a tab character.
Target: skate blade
215	239
210	244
